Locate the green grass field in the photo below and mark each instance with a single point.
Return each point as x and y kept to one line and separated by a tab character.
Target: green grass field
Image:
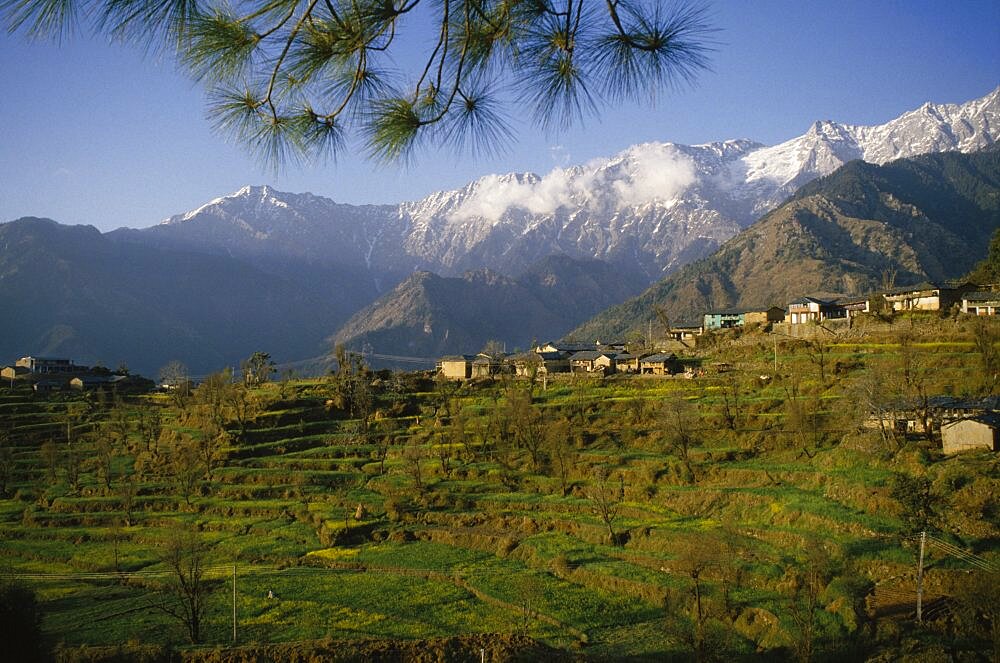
488	518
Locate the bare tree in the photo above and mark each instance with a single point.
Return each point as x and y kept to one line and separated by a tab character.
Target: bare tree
915	382
414	454
149	423
818	352
184	463
606	500
244	408
526	426
805	584
186	594
732	403
6	462
382	439
177	380
874	397
50	456
985	337
103	458
128	488
560	449
679	422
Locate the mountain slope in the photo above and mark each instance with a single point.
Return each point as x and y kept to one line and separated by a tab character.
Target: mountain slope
429	315
925	218
71	291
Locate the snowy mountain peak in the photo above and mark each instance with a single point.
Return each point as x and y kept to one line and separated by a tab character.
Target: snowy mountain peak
653	205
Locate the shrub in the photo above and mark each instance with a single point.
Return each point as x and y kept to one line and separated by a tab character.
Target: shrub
20	622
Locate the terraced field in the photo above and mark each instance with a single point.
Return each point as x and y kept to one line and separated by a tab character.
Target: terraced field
745	514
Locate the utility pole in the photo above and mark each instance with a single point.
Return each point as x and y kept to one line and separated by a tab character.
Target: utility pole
920	578
775	355
234	604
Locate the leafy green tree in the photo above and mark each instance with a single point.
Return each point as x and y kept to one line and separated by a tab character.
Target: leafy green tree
257	369
918	501
988	271
299	77
351	386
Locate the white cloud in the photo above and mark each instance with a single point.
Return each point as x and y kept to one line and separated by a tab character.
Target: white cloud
659	172
641	174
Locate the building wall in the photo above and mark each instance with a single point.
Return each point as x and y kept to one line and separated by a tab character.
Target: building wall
967	434
915	303
456	370
980	308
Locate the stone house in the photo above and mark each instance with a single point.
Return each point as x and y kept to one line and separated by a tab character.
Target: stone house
47	365
926	296
810	309
660	364
87	382
981	303
764	317
855	307
976	432
627	363
486	365
686	333
13	372
542	362
456	367
592	361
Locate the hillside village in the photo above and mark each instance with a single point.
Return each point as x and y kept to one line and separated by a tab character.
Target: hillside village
960	423
804	318
48	374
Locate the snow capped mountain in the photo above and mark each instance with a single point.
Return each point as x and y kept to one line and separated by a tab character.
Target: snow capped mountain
653	206
827	145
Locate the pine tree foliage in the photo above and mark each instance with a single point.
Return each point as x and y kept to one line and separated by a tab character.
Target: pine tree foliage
298	78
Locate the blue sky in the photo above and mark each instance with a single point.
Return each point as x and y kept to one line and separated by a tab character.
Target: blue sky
102	134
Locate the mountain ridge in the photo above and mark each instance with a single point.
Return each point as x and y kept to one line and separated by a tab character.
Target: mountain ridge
656	205
926	218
